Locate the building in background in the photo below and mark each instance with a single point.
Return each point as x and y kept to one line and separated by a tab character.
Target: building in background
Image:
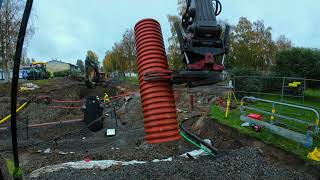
59	66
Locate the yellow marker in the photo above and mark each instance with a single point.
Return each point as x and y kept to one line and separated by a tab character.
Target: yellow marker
314	155
273	112
228	104
297	83
9	116
106	98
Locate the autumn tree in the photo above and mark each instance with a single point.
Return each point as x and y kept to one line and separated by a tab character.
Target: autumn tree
10	20
251	45
122	57
127	48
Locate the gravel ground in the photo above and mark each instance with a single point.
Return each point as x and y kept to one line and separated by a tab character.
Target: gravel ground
244	163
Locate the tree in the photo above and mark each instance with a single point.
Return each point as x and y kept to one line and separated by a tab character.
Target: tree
10	18
182	6
115	60
80	64
298	62
283	43
174	52
122	57
251	45
28	61
127	47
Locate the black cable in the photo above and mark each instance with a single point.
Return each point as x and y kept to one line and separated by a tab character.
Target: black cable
196	138
15	79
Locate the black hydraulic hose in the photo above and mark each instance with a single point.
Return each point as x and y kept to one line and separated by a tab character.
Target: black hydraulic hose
196	138
14	87
218	7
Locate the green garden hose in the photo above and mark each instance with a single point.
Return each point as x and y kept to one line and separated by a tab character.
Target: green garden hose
194	143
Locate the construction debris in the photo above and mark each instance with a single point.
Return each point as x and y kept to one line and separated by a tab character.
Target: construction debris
102	164
197	153
29	87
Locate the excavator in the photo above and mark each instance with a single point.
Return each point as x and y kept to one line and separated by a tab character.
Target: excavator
202	43
92	74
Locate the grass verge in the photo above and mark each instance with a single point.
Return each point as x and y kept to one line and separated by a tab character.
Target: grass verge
265	136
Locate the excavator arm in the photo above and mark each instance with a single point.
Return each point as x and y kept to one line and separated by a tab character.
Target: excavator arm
92	73
202	43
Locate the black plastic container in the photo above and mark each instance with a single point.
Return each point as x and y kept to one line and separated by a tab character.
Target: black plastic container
92	112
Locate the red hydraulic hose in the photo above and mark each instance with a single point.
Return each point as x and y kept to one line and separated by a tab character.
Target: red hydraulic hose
64	107
65	101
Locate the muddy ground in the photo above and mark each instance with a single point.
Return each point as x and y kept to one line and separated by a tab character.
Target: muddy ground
239	156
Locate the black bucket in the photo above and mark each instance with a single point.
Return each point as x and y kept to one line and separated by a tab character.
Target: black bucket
92	112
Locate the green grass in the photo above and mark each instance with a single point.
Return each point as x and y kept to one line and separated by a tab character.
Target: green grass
41	82
130	79
265	136
312	93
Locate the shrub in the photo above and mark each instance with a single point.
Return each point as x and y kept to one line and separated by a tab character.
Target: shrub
61	73
250	84
298	62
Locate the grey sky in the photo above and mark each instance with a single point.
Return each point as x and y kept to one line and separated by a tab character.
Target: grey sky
66	29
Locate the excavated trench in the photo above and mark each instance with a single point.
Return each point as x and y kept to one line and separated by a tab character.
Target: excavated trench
240	157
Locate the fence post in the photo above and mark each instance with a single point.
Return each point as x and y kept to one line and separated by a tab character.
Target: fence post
283	82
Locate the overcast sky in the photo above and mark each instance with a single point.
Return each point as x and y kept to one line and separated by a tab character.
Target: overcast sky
66	29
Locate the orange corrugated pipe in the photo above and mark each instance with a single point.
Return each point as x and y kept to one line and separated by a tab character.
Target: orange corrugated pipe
160	119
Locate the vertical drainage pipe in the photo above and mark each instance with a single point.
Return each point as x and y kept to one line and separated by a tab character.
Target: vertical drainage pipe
160	119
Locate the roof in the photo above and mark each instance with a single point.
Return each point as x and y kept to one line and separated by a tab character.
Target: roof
33	63
56	61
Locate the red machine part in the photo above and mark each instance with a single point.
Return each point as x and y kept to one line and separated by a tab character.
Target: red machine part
207	63
160	119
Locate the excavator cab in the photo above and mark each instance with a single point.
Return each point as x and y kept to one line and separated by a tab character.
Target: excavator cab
201	43
200	36
92	74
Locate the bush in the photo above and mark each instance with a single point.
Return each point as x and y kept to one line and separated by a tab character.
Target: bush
61	73
298	62
250	84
